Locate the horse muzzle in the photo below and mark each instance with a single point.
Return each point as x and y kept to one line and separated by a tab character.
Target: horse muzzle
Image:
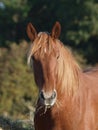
48	99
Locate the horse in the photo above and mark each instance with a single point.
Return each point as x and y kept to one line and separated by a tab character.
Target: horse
68	96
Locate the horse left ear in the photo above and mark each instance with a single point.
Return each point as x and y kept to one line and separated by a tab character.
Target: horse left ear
56	30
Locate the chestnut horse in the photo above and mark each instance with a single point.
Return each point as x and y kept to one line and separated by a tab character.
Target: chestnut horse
68	97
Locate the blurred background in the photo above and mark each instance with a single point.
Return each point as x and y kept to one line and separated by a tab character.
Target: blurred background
79	21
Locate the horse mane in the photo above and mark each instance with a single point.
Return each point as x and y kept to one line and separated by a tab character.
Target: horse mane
67	68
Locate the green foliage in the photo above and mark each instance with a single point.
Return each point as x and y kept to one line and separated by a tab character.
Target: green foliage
12	17
18	9
8	124
16	80
86	24
79	20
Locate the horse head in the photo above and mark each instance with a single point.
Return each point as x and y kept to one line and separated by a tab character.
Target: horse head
43	56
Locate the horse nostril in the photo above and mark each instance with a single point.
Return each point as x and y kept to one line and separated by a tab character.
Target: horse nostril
42	95
53	95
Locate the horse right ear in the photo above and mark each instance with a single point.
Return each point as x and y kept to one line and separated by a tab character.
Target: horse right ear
31	32
56	30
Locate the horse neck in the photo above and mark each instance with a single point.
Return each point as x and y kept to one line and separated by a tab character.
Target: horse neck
68	73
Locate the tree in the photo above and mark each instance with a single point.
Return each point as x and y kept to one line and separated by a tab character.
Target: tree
79	20
12	17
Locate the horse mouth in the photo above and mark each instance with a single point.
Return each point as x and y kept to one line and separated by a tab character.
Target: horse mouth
48	106
48	103
45	106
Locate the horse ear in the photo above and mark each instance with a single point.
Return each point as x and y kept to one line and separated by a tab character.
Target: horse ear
31	32
56	30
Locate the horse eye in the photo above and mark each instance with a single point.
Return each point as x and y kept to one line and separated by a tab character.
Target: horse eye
33	58
58	57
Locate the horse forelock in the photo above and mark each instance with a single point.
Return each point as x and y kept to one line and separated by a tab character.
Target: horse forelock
42	44
35	46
